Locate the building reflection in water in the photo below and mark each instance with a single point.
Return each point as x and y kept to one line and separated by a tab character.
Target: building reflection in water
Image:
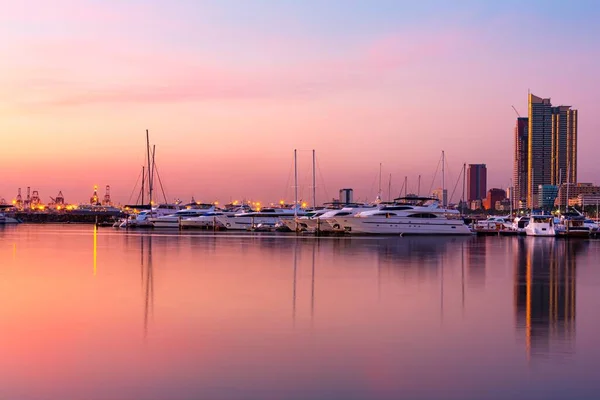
545	293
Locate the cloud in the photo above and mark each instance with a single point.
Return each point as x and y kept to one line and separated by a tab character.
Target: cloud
84	71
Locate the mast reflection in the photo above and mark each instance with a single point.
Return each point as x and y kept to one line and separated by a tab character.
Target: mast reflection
545	293
147	278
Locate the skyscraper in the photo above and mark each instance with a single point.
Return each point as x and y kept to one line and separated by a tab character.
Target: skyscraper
564	144
476	182
519	192
539	164
551	146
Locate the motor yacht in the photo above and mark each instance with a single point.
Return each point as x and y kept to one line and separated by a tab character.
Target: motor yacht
6	220
210	218
419	216
248	220
494	224
540	225
174	220
142	219
321	223
572	225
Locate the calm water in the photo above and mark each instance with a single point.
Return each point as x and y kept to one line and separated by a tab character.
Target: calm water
108	314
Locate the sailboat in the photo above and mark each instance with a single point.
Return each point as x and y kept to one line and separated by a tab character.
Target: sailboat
142	219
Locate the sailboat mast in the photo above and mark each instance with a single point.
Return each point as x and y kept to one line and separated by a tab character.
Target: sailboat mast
143	179
149	168
152	174
443	179
295	183
463	193
314	199
510	198
390	189
405	186
379	193
567	200
419	186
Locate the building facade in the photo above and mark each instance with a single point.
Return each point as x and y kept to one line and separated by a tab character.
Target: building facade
574	190
551	146
441	195
519	192
547	196
476	182
564	145
493	196
539	165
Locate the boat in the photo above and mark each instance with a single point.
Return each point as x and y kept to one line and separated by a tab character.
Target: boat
408	216
572	225
174	220
540	225
249	220
321	223
142	219
209	220
592	225
494	225
6	220
520	223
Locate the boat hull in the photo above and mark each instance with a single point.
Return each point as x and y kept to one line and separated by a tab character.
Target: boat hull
401	226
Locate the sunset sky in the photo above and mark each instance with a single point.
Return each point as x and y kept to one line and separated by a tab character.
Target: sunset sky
228	89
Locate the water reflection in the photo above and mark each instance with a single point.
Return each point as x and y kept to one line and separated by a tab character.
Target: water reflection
147	280
545	293
272	317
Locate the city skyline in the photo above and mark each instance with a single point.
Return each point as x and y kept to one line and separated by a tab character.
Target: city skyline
228	93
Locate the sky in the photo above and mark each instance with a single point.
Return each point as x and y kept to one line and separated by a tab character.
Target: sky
229	89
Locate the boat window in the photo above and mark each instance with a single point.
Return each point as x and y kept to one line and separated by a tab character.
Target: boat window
341	214
423	215
397	208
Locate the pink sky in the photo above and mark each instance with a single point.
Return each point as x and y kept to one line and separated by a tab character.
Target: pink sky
227	98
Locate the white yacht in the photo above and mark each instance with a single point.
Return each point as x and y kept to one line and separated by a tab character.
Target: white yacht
5	220
540	225
520	223
572	225
592	225
173	220
142	219
494	223
420	216
249	220
304	222
210	218
321	223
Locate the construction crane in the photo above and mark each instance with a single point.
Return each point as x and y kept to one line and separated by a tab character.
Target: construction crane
518	115
107	201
